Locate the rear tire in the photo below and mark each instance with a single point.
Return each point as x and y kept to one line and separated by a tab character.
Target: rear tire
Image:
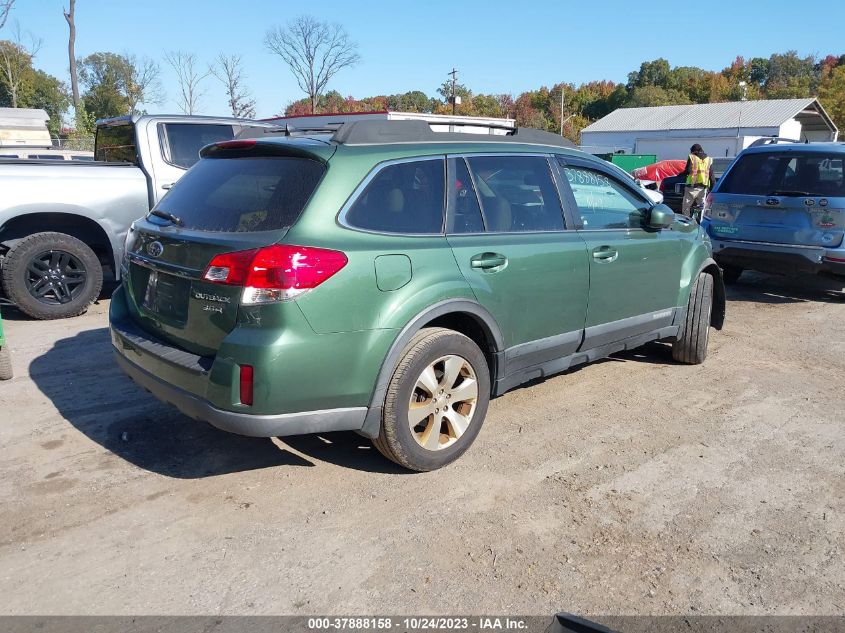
731	274
52	276
443	381
690	347
5	363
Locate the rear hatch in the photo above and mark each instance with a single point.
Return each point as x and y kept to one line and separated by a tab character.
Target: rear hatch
785	196
241	197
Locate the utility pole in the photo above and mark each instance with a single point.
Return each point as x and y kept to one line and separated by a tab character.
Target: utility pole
454	74
562	88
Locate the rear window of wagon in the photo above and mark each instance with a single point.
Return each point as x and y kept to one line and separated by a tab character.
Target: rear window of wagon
241	195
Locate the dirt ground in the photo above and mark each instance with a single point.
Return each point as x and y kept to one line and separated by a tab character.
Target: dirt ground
630	486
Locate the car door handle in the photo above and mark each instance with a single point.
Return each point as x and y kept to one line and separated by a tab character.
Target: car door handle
488	261
168	185
605	254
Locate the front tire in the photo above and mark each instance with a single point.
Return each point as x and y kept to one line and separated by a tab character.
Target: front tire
52	276
436	400
690	347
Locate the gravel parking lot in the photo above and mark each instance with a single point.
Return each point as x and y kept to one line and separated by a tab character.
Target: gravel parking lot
630	486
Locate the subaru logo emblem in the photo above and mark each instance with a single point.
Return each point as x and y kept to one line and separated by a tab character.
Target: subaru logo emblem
772	201
155	249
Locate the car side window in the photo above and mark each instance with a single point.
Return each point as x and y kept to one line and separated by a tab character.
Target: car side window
406	197
517	193
603	202
464	210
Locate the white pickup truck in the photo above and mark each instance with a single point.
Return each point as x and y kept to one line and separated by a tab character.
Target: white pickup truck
63	222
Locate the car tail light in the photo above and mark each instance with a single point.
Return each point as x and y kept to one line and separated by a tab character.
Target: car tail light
246	384
274	273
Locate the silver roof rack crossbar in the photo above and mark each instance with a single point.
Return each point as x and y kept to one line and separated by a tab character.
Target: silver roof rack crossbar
383	132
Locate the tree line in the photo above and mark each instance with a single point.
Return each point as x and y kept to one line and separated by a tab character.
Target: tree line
105	84
655	83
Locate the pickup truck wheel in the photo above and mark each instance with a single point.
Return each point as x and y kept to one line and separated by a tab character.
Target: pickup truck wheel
731	274
436	400
690	347
52	276
5	363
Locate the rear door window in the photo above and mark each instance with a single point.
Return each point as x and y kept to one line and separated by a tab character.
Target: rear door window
182	142
464	210
243	194
405	197
786	174
517	193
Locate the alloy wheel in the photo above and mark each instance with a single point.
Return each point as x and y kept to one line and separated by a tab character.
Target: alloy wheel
443	402
55	277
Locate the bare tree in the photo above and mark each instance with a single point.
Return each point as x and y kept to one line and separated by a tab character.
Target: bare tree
71	42
189	76
5	7
141	83
15	59
315	52
229	71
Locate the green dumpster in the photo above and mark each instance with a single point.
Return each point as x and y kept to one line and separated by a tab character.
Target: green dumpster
629	162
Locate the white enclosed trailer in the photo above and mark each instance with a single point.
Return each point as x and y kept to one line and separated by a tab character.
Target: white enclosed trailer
24	127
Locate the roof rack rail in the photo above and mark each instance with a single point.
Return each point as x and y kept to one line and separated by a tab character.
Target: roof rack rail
416	131
773	140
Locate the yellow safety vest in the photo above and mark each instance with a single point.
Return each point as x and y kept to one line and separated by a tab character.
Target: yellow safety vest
699	175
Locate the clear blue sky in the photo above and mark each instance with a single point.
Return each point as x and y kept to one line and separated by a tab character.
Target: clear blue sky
497	46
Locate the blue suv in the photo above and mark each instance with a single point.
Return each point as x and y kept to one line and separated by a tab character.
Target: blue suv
780	208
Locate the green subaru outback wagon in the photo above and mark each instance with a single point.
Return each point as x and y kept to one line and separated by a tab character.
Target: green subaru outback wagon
390	279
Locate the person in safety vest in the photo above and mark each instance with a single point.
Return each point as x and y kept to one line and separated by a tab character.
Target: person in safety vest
699	173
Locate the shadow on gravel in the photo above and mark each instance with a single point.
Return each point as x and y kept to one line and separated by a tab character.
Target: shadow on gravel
653	353
83	382
762	288
347	449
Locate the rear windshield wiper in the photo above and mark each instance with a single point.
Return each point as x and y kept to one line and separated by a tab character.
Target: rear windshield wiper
160	213
789	193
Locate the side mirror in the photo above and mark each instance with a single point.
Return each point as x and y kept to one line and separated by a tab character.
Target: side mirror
660	217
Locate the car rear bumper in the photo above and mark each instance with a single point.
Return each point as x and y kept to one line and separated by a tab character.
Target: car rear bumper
292	371
778	258
347	419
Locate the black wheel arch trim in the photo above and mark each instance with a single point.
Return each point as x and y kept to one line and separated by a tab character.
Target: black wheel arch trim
439	309
717	318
